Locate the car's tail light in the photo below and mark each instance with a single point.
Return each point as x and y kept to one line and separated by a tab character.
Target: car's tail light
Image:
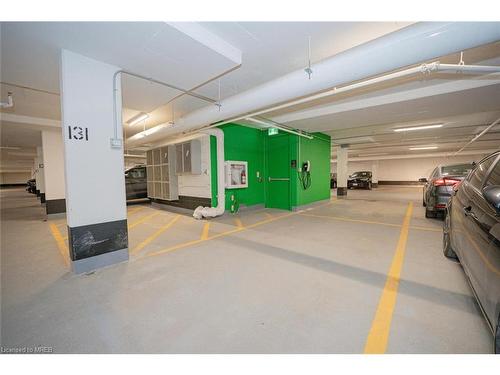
445	182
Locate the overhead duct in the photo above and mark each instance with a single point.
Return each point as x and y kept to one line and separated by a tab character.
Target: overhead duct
414	44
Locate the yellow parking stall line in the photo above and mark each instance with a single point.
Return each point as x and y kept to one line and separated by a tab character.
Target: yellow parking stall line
135	209
351	220
143	219
431	229
376	343
155	235
223	234
227	233
238	222
204	233
268	214
61	243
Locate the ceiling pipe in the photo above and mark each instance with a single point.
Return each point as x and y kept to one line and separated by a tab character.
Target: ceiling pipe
279	126
478	136
423	69
408	46
115	141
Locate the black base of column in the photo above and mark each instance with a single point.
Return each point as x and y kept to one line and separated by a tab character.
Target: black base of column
55	206
42	198
96	239
374	184
341	191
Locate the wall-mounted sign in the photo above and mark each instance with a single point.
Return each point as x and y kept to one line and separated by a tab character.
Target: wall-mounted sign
272	131
78	133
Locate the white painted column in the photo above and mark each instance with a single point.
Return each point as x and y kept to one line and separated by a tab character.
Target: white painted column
53	170
375	173
95	183
40	178
342	173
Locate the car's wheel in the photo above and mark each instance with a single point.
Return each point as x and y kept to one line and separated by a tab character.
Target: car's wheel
430	214
497	337
447	250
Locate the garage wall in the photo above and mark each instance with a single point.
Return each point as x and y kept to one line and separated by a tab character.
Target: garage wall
317	151
407	169
198	185
8	178
247	144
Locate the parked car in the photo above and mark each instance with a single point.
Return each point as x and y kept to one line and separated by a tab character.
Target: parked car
31	186
136	182
438	188
333	180
360	180
471	234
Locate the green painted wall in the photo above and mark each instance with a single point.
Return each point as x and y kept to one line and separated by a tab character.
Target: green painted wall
249	144
318	152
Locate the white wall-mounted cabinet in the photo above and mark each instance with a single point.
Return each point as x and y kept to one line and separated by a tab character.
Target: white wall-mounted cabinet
188	157
161	177
236	174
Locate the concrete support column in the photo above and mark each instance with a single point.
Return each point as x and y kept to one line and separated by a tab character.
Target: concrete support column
342	173
375	173
53	170
95	183
40	178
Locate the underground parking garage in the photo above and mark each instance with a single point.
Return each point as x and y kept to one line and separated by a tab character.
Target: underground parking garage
149	206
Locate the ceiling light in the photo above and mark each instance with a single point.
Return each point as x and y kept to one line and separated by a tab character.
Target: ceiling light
10	148
423	148
377	154
138	118
257	121
423	127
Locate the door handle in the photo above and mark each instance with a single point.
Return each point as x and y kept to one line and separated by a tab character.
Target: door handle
468	212
278	179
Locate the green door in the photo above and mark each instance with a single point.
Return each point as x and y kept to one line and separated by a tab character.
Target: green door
278	172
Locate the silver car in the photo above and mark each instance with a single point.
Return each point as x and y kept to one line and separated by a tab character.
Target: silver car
439	187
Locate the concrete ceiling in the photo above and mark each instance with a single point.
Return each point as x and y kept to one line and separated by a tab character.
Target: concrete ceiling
183	54
191	54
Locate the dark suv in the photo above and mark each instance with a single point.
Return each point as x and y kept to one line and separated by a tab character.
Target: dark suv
439	187
360	180
136	182
471	234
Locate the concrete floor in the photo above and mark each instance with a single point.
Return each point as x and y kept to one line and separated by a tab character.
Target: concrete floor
263	281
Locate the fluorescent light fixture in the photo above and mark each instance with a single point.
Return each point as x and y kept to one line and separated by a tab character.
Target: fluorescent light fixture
9	148
257	121
377	154
423	148
423	127
138	118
